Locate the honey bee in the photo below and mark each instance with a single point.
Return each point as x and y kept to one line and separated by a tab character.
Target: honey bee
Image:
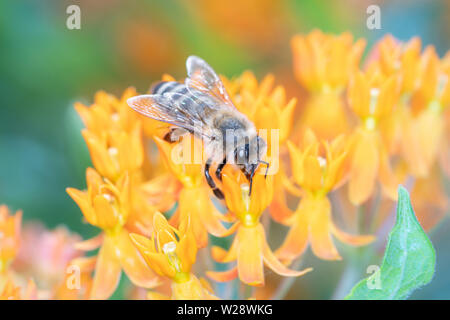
201	106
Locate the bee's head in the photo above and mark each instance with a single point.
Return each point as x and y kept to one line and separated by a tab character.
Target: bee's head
249	155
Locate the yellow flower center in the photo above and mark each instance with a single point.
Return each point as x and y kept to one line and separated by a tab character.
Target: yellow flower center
247	218
245	188
113	151
370	123
374	93
115	117
169	250
121	219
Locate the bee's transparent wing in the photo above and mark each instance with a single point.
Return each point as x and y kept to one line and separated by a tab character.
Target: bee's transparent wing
172	108
203	79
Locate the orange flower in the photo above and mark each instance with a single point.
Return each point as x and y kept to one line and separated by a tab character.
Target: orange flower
114	152
444	157
107	206
114	138
433	89
9	291
323	64
250	247
266	106
45	254
397	58
424	125
77	282
324	112
171	253
194	203
429	199
317	172
323	61
402	60
114	134
9	236
269	109
104	204
372	98
108	113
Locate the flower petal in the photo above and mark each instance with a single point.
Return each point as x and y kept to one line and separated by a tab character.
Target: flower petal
132	262
355	240
320	230
81	199
250	255
223	256
187	250
233	193
364	167
90	244
107	271
297	238
274	264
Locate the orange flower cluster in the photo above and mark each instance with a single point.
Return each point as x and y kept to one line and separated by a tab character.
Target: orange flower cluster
39	264
359	126
361	132
394	112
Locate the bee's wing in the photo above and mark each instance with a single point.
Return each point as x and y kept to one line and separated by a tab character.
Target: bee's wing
171	108
202	78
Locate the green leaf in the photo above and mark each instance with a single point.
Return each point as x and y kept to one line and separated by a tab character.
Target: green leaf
408	262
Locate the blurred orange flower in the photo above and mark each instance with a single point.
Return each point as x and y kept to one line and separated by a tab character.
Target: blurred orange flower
324	61
424	124
9	291
266	106
115	152
318	170
371	97
323	64
10	226
45	254
108	113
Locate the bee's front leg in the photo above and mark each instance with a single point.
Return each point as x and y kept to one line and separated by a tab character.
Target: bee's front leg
217	192
219	169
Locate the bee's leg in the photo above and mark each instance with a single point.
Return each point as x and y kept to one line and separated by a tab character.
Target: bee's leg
217	192
250	178
219	169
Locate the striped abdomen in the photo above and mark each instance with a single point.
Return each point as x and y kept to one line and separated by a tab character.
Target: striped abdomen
169	86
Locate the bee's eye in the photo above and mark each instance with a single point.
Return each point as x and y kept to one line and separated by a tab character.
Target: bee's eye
240	155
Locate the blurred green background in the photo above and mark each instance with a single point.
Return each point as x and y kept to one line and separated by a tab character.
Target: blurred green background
45	68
